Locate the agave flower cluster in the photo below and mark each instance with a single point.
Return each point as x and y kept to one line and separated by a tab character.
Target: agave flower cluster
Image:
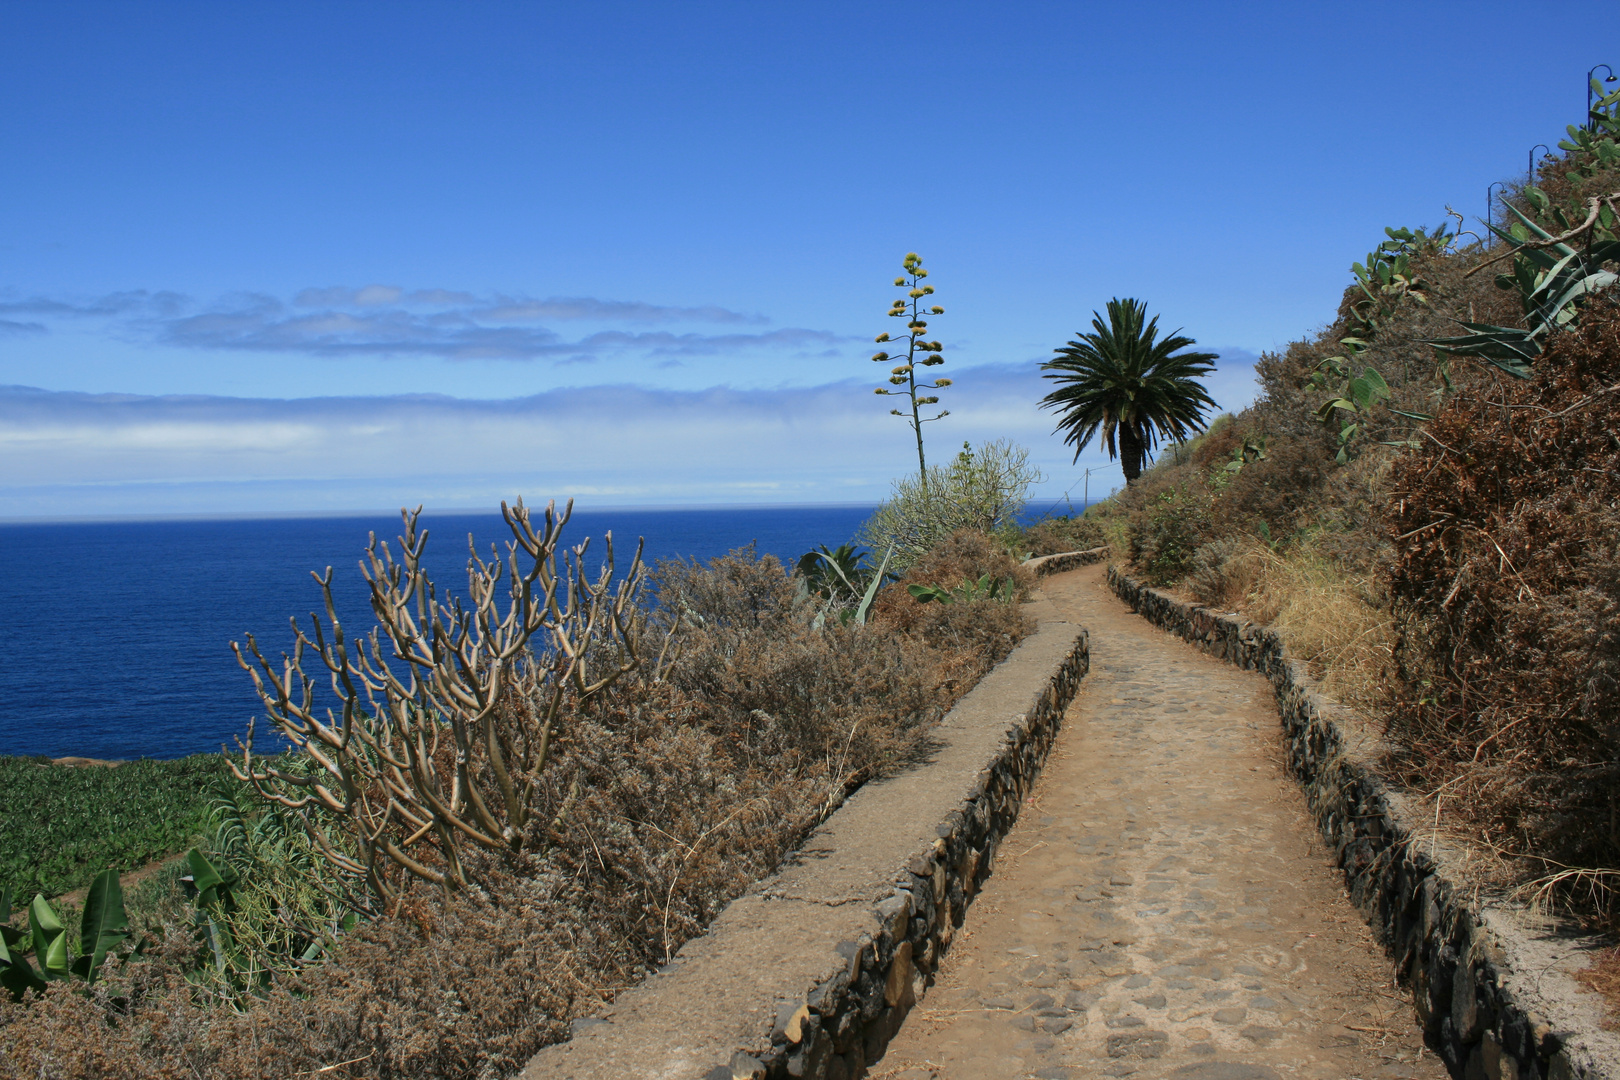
920	353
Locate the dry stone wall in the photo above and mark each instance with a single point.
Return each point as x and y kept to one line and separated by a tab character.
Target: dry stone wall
1489	981
812	972
1068	560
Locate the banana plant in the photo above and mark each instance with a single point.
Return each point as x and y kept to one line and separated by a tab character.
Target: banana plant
103	928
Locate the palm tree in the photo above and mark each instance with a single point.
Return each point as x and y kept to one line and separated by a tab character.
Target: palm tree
1119	379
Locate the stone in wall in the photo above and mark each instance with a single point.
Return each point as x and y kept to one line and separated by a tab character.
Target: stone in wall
1489	1004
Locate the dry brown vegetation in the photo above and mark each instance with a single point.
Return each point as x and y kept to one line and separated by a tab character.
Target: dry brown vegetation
665	800
1454	578
1508	584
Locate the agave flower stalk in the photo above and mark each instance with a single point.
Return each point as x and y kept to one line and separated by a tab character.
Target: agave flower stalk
920	353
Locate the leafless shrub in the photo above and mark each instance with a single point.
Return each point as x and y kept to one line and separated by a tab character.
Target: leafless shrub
422	759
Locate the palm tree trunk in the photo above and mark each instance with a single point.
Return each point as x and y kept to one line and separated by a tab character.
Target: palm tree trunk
1130	452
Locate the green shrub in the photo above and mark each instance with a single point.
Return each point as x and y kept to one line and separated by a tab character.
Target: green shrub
982	490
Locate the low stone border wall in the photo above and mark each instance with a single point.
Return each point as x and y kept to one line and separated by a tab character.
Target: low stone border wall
810	973
1067	560
1490	982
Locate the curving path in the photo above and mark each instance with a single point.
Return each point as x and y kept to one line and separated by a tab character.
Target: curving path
1164	907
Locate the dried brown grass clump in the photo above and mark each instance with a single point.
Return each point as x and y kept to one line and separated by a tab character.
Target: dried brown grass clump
1334	619
666	798
1507	575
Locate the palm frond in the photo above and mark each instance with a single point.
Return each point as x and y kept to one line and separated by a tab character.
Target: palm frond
1122	374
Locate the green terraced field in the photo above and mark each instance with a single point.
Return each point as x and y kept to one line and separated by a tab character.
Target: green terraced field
60	826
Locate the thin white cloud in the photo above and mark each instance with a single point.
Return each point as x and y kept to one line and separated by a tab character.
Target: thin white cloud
73	454
388	320
260	324
137	302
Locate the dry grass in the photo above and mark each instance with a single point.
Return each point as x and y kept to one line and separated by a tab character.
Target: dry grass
1334	620
1603	976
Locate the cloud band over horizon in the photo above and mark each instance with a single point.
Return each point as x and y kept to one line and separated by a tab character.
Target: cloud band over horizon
87	455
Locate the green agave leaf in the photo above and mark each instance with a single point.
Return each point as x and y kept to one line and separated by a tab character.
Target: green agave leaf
872	589
1532	228
1411	416
1554	272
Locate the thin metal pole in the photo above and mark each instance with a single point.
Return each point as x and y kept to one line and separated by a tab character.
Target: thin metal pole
1591	122
1490	202
1530	161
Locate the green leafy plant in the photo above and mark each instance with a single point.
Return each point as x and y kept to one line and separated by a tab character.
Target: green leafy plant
1122	380
1388	276
103	927
1353	395
834	574
1552	277
1593	145
841	578
982	490
1245	453
920	352
210	887
970	591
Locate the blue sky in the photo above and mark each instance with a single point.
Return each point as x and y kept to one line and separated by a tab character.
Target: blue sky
325	257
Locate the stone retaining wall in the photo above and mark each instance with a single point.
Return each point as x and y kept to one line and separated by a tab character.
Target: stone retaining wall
811	973
1490	982
1068	560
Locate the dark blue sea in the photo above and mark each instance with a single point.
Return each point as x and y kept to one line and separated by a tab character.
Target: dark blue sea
115	636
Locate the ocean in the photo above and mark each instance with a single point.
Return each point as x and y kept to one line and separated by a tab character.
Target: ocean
115	637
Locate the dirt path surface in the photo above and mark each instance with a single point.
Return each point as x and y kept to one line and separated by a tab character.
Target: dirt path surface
1164	906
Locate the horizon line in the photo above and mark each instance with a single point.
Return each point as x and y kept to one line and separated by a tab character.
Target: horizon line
314	515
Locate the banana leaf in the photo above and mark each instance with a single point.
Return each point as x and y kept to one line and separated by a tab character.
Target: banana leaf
105	924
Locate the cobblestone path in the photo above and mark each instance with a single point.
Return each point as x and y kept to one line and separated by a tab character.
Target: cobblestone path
1164	906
